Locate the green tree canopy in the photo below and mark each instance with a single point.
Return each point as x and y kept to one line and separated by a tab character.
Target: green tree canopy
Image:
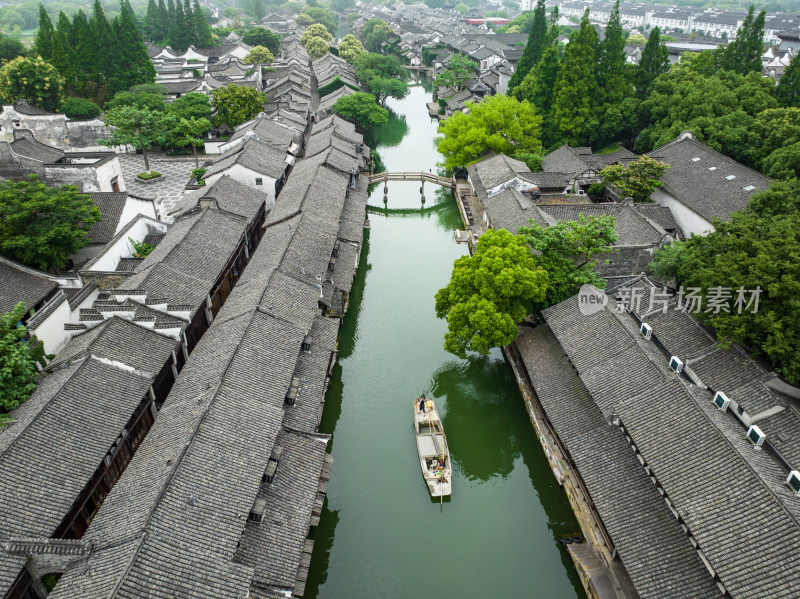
316	47
361	109
259	36
132	65
757	247
461	8
259	55
42	226
317	14
189	132
191	105
568	251
34	80
460	70
44	37
719	109
499	124
537	40
574	94
19	355
143	99
350	48
743	54
138	127
489	294
654	62
200	28
10	48
636	179
80	108
236	104
788	90
316	30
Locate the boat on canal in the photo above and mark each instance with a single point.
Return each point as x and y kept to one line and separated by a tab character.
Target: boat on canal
434	456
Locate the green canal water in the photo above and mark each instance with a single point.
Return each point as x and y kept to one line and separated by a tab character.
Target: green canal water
381	535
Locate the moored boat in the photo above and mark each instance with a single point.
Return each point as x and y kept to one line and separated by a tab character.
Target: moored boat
434	456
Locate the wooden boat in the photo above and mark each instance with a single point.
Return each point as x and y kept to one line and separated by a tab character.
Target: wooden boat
434	456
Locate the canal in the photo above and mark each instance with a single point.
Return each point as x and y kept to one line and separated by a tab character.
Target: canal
381	535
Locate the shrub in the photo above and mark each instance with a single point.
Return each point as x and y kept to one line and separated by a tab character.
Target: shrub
596	189
197	174
146	176
80	108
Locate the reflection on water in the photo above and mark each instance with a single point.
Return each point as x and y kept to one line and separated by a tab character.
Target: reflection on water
477	397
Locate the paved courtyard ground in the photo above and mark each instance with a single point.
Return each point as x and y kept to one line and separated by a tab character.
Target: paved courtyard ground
168	189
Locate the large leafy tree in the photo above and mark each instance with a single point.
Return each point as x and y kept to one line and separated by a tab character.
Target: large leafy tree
489	294
758	247
258	36
778	132
44	37
374	33
568	251
19	355
636	179
382	76
460	70
654	62
537	40
576	88
350	48
138	127
10	48
788	90
499	124
42	226
316	47
236	104
189	132
316	30
719	109
191	105
362	109
140	99
259	55
34	80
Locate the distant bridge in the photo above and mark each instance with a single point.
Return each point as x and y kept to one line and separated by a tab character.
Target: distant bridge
420	176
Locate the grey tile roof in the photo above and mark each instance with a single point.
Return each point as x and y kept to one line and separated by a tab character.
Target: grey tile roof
22	284
39	490
268	131
111	205
649	541
708	192
254	155
312	370
631	228
510	210
229	195
661	215
31	148
733	515
188	261
122	340
274	546
498	169
723	490
564	160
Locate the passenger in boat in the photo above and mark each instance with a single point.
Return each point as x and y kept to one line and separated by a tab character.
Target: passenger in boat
422	405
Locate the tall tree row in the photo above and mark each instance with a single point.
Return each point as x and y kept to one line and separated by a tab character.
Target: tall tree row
177	24
95	57
533	49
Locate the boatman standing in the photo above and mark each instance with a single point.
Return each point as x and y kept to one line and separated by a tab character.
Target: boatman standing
422	404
